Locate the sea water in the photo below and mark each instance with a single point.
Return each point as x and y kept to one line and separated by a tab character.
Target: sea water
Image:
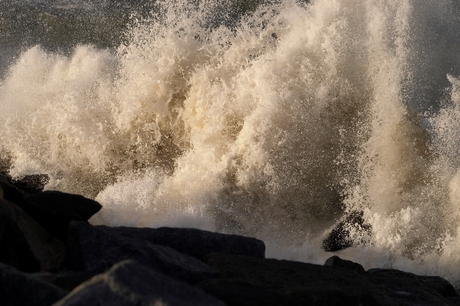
273	119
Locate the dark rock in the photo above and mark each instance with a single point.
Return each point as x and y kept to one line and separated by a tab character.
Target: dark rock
129	283
340	237
9	191
18	289
276	274
239	293
409	284
336	261
46	250
442	286
307	284
288	282
74	206
320	295
54	210
30	183
67	280
101	249
194	242
14	248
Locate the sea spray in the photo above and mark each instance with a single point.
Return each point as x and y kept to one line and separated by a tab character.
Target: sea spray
273	119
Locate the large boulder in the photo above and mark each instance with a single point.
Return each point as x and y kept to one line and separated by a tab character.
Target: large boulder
336	261
193	242
14	248
9	191
130	283
20	289
30	183
95	250
24	243
296	283
74	206
351	231
53	210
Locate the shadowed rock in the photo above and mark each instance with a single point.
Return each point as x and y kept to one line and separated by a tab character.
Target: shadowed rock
193	242
341	237
47	251
19	289
95	250
296	283
129	283
67	280
52	210
14	248
30	183
74	206
336	261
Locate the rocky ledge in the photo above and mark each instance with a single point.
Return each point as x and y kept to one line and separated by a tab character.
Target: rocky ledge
51	255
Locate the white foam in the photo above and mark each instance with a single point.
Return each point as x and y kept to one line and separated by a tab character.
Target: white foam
273	127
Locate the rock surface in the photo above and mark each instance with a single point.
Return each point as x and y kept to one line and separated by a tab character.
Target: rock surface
173	266
95	250
193	242
14	248
129	283
52	210
296	283
341	237
29	239
20	289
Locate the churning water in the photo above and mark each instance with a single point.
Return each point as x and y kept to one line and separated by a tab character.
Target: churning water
272	119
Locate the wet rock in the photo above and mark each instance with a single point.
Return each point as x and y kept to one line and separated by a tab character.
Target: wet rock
14	248
341	237
20	289
30	183
54	210
66	280
73	206
46	250
194	242
130	283
236	292
10	192
411	288
95	250
307	284
336	261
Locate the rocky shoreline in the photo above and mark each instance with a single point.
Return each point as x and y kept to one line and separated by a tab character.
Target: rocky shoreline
51	255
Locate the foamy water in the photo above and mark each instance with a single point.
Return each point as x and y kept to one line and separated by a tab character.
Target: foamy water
273	123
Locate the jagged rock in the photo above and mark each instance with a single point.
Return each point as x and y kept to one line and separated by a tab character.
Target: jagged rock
66	280
414	288
336	261
54	210
73	206
130	283
95	250
236	292
20	289
194	242
340	237
46	250
9	191
14	248
30	183
308	284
